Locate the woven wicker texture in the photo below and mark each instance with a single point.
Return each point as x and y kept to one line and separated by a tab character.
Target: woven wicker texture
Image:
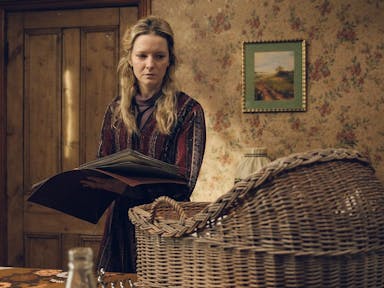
313	219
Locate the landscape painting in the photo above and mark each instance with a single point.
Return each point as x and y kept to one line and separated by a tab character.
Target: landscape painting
274	76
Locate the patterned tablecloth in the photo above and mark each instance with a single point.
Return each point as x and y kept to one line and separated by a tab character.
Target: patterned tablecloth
13	277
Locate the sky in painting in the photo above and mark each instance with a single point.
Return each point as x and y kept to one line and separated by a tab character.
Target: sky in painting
267	62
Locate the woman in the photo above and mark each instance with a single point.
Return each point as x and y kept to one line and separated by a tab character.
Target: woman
153	117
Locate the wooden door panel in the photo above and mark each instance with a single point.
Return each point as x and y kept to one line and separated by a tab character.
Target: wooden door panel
72	18
71	99
69	240
99	82
69	60
43	250
15	191
42	105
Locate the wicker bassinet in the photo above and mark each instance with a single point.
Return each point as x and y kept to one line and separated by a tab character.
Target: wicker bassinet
312	219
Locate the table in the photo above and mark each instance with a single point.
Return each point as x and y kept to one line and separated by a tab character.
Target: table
15	277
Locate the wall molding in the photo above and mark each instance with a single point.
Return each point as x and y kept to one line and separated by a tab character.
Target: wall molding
3	145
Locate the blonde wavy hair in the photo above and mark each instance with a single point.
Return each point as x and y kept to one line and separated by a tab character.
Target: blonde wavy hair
165	107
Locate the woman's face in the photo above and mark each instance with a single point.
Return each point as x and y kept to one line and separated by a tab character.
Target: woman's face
150	60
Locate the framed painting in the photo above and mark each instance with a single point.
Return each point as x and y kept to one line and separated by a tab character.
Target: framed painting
274	75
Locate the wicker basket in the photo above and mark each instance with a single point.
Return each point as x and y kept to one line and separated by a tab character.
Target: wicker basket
313	219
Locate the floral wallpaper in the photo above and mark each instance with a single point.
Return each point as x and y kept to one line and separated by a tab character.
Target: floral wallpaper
345	82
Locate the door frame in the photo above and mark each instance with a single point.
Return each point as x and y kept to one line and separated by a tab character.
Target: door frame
144	8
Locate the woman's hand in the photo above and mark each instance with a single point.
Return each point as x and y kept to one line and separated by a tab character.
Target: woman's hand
109	184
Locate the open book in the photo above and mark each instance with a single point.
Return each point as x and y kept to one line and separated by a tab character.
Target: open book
65	192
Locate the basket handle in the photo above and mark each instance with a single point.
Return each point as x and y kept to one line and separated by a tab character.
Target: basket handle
176	206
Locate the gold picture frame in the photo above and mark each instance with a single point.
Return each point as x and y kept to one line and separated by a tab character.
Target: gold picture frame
274	76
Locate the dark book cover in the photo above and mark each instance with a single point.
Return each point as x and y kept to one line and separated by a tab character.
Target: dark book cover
66	193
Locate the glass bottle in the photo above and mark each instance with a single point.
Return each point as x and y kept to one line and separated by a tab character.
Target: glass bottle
80	264
252	161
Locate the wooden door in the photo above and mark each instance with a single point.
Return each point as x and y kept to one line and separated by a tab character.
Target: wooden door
61	76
